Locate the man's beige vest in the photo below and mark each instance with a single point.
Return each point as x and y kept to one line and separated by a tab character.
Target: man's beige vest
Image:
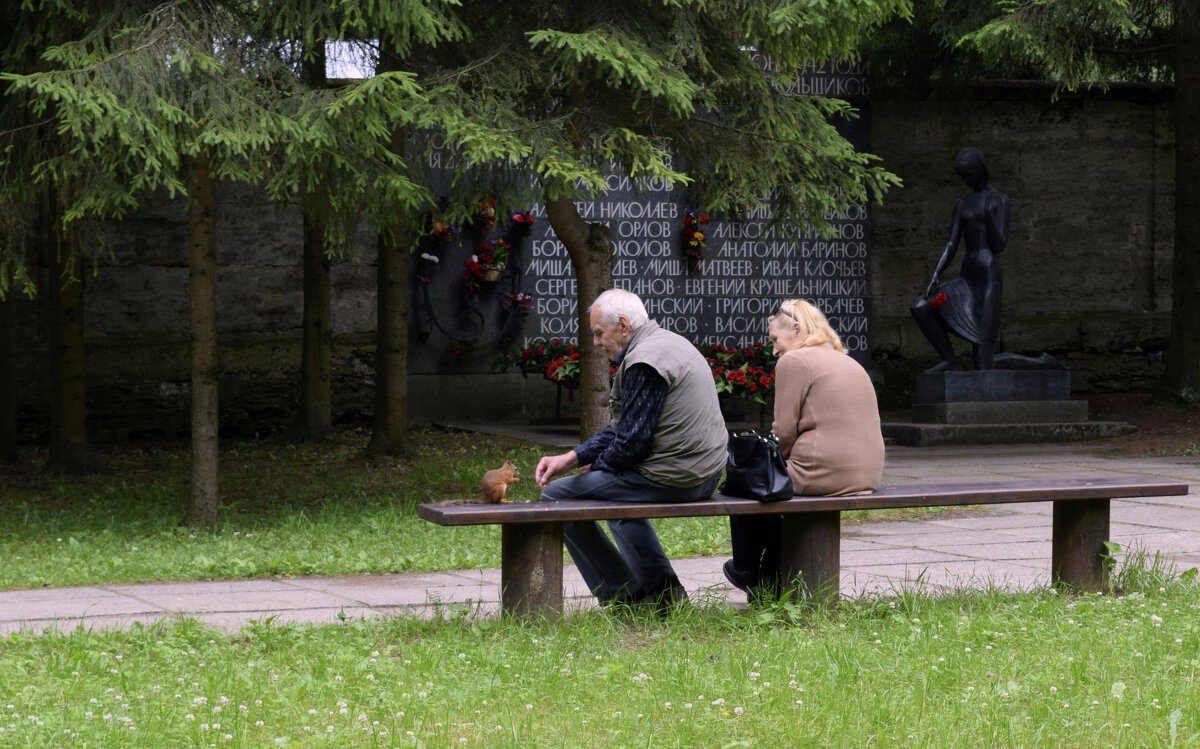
690	439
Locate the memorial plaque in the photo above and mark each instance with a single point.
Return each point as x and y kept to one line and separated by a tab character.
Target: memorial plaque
746	268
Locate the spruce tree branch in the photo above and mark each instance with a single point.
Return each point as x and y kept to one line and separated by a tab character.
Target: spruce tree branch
30	126
752	134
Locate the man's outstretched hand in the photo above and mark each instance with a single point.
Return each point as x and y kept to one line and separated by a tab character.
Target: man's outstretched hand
555	465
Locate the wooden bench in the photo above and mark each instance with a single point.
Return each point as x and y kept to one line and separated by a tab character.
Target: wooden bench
532	551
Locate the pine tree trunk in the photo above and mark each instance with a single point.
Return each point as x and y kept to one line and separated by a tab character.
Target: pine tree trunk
315	418
10	15
202	272
1182	377
315	421
390	433
68	398
590	249
8	381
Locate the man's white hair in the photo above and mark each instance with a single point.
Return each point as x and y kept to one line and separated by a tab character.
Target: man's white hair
617	303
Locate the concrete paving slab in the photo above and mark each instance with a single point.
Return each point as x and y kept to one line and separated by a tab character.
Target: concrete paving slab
1155	516
34	595
235	600
955	540
76	606
899	556
200	587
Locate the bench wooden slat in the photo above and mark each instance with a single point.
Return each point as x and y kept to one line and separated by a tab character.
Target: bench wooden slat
890	497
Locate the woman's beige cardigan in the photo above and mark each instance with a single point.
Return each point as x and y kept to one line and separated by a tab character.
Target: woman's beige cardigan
827	420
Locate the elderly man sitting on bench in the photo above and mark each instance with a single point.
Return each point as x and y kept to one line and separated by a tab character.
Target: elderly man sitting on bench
666	442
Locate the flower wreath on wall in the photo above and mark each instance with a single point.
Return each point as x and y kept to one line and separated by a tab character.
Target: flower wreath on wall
493	264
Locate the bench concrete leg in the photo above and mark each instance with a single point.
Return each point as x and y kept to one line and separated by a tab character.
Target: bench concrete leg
811	550
1080	530
531	569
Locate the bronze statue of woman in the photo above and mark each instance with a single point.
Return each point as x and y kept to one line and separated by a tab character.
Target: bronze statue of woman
969	305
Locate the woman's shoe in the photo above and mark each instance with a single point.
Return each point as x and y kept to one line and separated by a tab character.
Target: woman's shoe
739	579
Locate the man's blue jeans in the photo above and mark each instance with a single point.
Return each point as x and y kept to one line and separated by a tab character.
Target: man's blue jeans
637	565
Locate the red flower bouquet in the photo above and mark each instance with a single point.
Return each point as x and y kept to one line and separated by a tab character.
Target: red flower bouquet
487	264
694	240
485	215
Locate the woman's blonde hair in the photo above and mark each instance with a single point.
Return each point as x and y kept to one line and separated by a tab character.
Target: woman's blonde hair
814	327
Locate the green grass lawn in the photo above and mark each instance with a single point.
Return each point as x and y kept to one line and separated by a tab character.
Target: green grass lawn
976	668
982	669
288	510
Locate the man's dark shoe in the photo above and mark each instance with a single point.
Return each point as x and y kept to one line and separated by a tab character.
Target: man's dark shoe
662	600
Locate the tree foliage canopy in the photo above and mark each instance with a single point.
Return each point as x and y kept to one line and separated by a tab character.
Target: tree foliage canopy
676	91
950	43
531	99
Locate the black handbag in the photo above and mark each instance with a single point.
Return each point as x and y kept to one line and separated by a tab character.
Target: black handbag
756	468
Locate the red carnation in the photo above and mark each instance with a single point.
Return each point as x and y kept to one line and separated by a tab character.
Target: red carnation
939	299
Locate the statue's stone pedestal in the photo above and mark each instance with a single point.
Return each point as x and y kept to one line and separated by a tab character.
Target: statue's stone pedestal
998	406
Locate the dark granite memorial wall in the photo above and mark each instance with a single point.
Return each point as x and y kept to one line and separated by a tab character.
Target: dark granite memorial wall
745	269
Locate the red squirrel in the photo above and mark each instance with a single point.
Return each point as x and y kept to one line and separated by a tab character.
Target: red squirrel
496	482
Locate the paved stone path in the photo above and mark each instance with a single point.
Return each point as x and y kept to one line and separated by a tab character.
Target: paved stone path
1006	545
